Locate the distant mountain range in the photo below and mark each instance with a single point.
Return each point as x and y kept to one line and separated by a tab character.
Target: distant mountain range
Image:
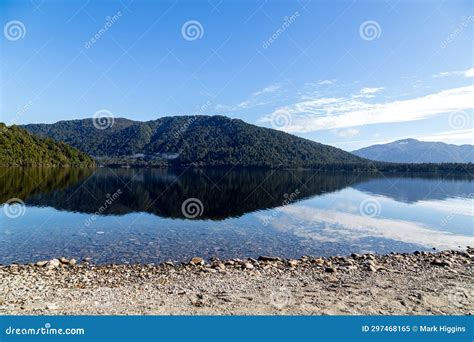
20	148
194	140
415	151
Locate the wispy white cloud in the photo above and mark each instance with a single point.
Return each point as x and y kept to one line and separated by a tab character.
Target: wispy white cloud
317	84
371	90
267	90
257	98
347	133
464	73
367	93
454	136
326	82
343	112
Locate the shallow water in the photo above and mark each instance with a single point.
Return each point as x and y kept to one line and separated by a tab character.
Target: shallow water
137	215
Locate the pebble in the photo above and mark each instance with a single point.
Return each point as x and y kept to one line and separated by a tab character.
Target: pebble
318	261
293	263
268	258
372	268
247	265
439	262
208	270
370	263
53	263
218	265
107	281
197	261
41	263
64	260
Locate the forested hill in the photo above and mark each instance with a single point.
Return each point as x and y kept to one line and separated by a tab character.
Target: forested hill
20	148
194	140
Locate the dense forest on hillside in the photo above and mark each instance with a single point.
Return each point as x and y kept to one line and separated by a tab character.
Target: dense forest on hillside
195	140
20	148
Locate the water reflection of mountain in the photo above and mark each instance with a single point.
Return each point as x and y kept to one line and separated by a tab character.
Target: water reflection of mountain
17	182
223	193
414	189
162	192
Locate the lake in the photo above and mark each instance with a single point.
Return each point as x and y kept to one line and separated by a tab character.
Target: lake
155	215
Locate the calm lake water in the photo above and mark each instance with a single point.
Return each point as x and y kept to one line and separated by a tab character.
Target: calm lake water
142	215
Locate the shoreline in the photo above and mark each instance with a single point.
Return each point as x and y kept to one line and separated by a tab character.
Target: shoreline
422	283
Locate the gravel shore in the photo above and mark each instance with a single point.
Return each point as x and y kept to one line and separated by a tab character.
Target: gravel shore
395	284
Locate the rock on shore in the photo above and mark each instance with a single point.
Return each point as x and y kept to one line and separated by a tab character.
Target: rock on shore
394	284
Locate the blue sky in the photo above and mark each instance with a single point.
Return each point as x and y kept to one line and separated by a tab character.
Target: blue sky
345	73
